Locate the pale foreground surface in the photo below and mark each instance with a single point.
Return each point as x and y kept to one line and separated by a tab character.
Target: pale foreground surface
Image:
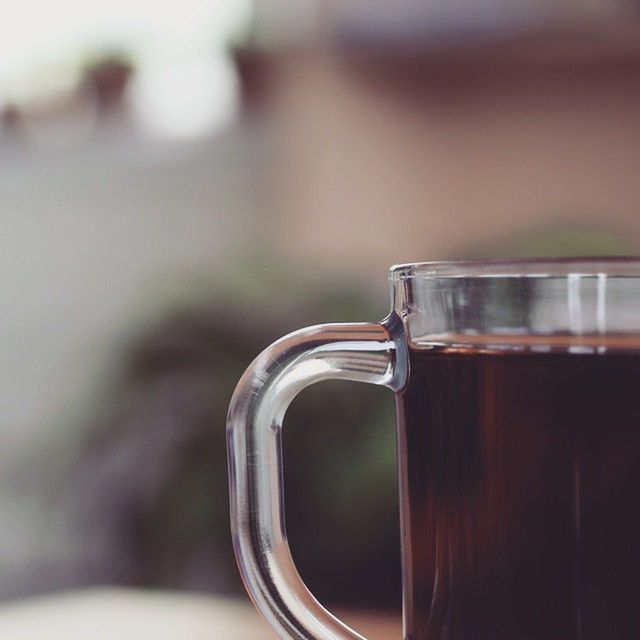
107	614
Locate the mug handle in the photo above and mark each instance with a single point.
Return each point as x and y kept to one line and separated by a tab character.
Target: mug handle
358	352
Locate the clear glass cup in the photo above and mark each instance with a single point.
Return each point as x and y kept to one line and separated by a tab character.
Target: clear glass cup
518	442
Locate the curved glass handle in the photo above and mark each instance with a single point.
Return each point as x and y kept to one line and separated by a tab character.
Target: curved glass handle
360	352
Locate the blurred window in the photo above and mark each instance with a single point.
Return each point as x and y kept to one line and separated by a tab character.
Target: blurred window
183	82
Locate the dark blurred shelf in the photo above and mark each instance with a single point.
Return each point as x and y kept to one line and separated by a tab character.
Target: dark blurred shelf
415	59
511	45
446	51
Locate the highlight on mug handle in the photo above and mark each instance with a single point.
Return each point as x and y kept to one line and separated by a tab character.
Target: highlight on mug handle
358	352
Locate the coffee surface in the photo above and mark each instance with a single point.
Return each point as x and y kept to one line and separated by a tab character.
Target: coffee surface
520	492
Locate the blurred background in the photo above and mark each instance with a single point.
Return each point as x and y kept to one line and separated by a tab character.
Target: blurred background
181	183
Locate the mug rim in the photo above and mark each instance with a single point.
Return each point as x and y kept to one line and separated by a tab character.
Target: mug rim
617	266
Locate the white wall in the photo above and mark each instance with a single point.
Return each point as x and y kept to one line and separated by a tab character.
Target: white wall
92	237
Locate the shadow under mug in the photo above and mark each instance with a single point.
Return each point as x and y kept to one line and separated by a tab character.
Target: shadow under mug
518	411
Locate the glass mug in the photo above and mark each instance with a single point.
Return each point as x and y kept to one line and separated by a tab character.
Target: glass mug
518	411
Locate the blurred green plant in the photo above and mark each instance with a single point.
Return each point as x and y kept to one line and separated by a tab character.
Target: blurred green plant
154	473
556	242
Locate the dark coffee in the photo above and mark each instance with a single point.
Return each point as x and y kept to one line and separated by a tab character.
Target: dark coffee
520	494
